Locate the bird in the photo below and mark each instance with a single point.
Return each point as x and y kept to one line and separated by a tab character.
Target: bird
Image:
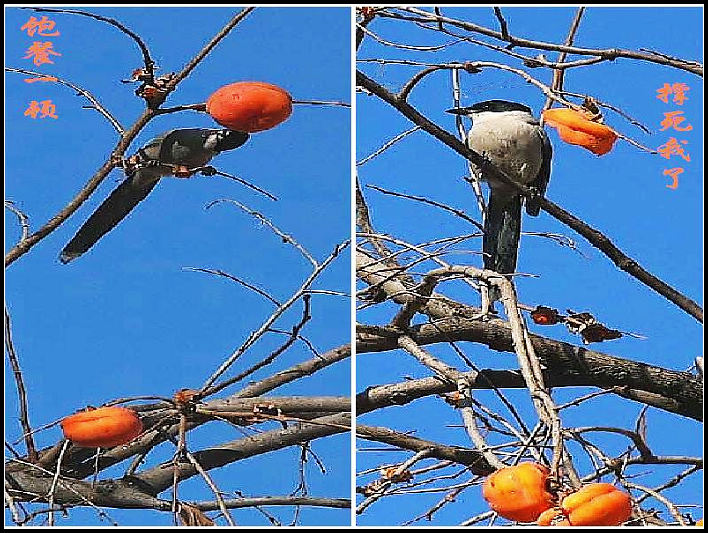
172	152
512	140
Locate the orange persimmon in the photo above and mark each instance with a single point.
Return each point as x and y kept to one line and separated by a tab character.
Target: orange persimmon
597	504
104	427
575	127
250	106
519	492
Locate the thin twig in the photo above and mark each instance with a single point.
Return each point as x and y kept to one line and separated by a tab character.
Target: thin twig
322	103
247	184
254	336
611	53
502	23
95	104
21	391
22	218
55	481
406	46
149	63
387	145
306	316
189	67
241	503
381	491
559	74
614	108
475	180
265	221
456	212
217	493
221	273
654	494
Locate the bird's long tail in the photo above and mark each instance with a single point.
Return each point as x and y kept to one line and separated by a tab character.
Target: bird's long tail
114	209
502	229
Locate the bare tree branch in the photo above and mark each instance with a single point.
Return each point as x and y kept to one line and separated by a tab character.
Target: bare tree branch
95	104
611	54
21	391
149	63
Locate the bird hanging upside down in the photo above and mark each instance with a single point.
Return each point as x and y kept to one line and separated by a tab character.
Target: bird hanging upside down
508	135
174	152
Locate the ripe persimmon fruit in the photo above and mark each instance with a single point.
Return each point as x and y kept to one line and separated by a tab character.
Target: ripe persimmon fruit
519	492
597	504
250	106
104	427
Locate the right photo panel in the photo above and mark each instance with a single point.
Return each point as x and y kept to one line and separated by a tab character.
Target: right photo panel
529	264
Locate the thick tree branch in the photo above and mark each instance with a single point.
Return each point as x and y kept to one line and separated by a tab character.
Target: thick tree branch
309	501
160	478
682	392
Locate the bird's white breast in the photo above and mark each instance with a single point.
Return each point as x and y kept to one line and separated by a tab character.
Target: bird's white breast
512	141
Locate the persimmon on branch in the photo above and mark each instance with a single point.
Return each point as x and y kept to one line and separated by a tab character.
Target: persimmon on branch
563	366
139	490
27	480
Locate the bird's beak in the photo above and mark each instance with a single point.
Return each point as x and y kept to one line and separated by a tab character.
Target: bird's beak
457	111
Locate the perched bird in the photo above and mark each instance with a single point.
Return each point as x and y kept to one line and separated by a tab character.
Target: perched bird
174	150
508	135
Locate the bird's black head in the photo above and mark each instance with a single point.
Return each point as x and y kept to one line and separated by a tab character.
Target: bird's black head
229	139
492	106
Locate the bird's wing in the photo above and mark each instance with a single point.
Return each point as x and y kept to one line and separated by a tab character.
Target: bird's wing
544	174
114	209
192	147
186	147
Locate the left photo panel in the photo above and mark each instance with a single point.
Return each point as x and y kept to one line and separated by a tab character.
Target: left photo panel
177	266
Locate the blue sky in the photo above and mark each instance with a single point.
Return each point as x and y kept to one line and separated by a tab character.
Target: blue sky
623	194
125	319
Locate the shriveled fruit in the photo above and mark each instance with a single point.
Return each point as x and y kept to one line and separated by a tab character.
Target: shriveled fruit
576	128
